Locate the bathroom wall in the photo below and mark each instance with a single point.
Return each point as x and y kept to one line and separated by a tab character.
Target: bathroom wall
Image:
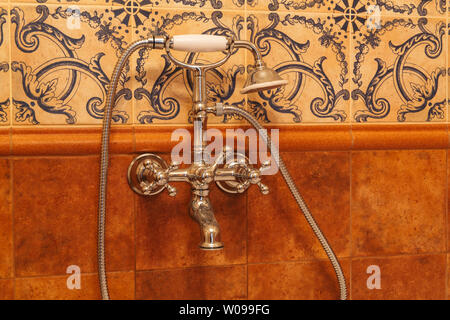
364	128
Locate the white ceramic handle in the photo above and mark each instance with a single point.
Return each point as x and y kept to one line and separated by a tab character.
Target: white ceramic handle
199	43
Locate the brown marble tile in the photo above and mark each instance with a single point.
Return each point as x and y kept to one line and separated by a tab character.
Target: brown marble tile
314	138
5	146
6	289
156	139
55	203
291	137
69	140
448	199
278	230
448	277
167	237
294	280
204	283
405	278
121	287
6	226
398	202
399	136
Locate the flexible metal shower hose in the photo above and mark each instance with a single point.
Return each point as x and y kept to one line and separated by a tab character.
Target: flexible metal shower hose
295	193
104	161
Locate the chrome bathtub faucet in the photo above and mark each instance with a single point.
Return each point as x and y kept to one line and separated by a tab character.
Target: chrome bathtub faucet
149	174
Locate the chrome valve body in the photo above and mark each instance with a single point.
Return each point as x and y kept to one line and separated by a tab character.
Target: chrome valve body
148	174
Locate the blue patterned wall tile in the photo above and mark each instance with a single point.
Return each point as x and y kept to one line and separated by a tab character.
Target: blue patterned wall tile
312	52
5	109
131	7
62	61
434	8
399	71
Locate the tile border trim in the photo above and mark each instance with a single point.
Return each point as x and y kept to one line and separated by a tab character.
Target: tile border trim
128	139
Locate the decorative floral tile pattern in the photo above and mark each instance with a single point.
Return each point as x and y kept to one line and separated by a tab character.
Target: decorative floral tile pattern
5	109
347	60
140	7
62	61
354	7
399	71
304	49
409	8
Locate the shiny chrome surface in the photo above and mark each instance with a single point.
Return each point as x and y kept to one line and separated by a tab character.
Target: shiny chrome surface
244	175
201	211
234	177
145	174
148	174
262	78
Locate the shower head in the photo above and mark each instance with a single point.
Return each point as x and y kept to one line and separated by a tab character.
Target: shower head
262	78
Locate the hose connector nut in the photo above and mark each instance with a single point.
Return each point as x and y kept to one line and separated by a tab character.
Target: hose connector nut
219	109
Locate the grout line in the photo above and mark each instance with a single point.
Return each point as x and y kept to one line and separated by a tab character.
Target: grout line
246	108
135	199
230	9
350	54
11	107
447	267
351	104
446	226
135	246
10	136
91	6
323	259
192	267
133	148
220	125
240	265
11	208
447	65
133	116
246	236
54	276
350	227
134	37
307	260
331	13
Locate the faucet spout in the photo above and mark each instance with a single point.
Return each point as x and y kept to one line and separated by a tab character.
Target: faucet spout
201	211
